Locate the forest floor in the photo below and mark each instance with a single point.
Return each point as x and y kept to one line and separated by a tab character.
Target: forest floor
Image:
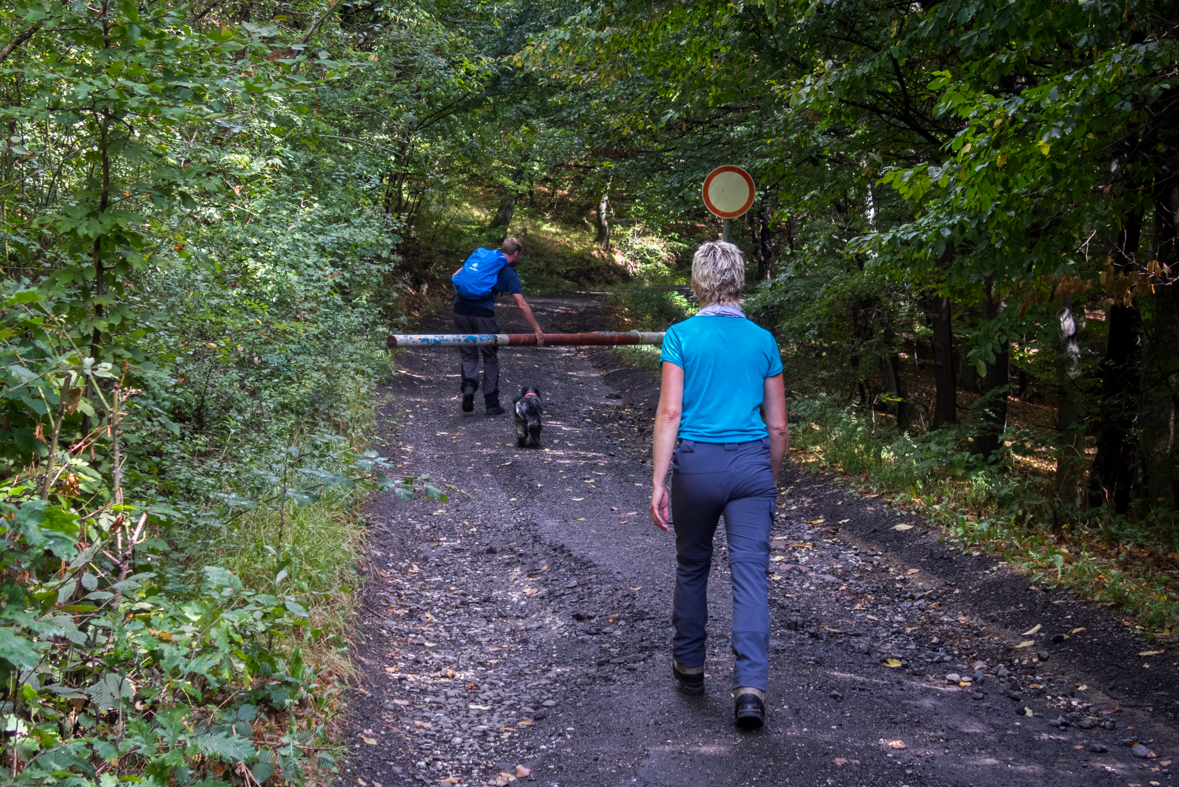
521	631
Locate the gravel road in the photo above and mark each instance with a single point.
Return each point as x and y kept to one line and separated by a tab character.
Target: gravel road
521	630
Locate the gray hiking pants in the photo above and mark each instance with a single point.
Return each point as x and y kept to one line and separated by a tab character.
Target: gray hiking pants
734	480
469	358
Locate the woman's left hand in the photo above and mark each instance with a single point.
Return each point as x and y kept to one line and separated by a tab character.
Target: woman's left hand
660	504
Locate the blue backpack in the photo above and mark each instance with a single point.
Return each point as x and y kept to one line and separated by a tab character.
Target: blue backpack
477	277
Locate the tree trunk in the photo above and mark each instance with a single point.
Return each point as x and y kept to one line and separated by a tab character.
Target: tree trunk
1070	451
765	248
995	382
1112	473
900	406
507	206
945	408
603	220
1161	363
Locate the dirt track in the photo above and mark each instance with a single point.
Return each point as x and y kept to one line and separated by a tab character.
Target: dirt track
526	622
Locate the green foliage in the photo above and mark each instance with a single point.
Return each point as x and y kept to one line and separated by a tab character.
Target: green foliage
651	308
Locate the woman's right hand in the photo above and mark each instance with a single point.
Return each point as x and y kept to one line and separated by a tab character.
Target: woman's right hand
660	505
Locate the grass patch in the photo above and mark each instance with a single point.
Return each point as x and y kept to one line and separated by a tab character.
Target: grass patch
1097	555
642	355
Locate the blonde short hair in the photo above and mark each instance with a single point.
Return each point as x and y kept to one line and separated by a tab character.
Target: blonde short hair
718	273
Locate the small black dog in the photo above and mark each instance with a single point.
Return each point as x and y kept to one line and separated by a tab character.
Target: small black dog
528	425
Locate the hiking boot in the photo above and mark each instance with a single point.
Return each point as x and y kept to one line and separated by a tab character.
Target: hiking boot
749	710
690	679
468	402
495	409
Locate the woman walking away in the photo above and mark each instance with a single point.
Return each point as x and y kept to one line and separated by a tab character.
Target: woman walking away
721	425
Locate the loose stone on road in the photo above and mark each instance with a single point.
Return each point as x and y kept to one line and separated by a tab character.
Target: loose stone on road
520	632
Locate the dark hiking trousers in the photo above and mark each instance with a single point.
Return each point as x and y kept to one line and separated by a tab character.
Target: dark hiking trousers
469	363
708	480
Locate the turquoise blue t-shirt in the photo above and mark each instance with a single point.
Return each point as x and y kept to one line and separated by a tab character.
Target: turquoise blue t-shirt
726	361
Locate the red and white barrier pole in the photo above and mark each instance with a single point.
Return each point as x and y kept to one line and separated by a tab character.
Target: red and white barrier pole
594	339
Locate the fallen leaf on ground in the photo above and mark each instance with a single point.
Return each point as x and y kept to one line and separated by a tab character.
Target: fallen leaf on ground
530	591
1032	630
369	741
903	528
402	703
1078	630
522	772
422	725
1028	711
1151	653
897	745
578	499
964	619
777	559
871	617
844	521
1027	643
892	663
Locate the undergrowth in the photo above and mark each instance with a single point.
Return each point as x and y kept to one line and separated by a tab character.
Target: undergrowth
1095	553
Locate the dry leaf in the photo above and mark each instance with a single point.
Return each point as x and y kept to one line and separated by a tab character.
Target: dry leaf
1151	653
897	745
530	591
1032	630
369	741
891	663
964	619
1028	712
422	725
871	617
903	528
777	559
523	723
1078	630
402	703
578	499
522	772
1027	643
844	521
473	706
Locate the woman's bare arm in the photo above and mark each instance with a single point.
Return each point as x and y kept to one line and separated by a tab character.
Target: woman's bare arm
667	426
774	414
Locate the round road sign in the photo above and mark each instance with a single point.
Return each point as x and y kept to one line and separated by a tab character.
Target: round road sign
728	192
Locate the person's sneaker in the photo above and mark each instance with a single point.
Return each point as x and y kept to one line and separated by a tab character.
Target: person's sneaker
495	409
468	402
749	709
690	679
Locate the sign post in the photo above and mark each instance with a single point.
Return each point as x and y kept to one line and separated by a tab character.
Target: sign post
728	193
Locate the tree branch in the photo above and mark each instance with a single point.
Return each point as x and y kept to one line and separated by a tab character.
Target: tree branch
315	25
20	39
